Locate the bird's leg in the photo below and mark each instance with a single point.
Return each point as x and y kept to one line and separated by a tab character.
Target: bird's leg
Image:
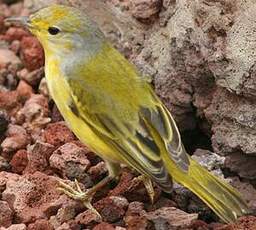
148	185
86	196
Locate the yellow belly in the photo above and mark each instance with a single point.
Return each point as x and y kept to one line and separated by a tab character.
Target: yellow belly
60	93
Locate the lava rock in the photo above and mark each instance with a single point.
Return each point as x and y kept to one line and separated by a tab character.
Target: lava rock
58	134
32	53
17	138
19	161
6	214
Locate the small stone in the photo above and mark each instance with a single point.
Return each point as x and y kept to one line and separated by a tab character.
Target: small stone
4	121
66	226
58	134
4	165
8	57
135	216
144	9
243	223
43	88
17	138
15	46
40	225
6	214
71	161
32	196
9	100
32	53
97	170
35	115
16	227
38	155
15	33
24	90
33	78
87	218
19	161
109	210
104	226
170	217
119	201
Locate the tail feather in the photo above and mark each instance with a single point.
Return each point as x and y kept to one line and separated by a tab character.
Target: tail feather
222	198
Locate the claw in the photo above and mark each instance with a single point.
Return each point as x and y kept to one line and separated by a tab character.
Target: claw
78	194
148	185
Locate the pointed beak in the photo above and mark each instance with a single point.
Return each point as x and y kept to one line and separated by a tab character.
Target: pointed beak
23	20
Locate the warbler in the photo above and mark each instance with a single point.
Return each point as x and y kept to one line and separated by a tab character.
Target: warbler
113	109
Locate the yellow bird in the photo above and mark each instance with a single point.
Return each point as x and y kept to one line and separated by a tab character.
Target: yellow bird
113	110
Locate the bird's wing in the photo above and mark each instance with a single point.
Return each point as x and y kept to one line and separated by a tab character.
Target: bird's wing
135	139
134	143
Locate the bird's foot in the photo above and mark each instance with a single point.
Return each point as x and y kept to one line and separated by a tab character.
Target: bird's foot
148	185
79	195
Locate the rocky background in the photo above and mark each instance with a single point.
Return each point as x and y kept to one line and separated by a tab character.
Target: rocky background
201	57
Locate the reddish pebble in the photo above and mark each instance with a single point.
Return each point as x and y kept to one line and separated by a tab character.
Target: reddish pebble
14	33
58	134
40	225
24	90
32	53
87	218
15	46
19	161
9	99
6	214
104	226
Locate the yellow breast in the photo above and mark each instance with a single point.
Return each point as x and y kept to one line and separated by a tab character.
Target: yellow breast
60	92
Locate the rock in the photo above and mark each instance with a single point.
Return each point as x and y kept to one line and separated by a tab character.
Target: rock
135	216
19	161
109	209
242	164
247	190
246	222
234	123
58	134
71	161
35	115
144	9
33	78
17	138
4	165
211	161
15	46
9	100
16	227
55	115
14	33
104	226
38	156
97	170
40	225
170	218
32	196
24	90
4	121
32	53
87	218
6	214
43	89
6	176
8	57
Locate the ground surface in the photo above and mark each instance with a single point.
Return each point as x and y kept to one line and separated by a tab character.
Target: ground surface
186	48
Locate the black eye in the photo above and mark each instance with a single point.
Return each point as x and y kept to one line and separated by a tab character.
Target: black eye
53	30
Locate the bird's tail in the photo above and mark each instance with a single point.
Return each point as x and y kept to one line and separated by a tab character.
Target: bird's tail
222	198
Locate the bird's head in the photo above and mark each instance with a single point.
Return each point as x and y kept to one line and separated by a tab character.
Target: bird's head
61	28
